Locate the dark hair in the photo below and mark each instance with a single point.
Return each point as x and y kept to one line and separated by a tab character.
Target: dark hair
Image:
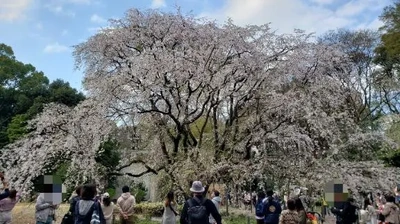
270	193
390	198
88	192
170	198
78	190
261	195
291	204
106	201
366	203
13	194
299	204
216	193
125	189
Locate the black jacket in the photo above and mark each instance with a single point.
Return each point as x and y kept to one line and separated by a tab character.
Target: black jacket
5	194
210	207
347	215
72	204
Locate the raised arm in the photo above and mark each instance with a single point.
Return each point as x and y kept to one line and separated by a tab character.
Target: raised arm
214	212
41	205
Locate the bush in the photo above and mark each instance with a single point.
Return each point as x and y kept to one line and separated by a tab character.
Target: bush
111	192
139	191
152	209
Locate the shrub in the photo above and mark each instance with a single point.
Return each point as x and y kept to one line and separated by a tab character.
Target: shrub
139	190
111	192
152	209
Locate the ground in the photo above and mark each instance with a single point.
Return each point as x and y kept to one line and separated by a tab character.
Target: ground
24	213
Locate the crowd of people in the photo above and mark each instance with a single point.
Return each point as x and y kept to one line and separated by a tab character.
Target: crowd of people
88	207
383	210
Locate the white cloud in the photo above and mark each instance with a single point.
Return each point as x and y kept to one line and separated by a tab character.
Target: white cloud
12	10
287	15
353	8
55	48
97	19
375	24
158	4
59	10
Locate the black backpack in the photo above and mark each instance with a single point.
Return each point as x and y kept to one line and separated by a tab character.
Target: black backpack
197	211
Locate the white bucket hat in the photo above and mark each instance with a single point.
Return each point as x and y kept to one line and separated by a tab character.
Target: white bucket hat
197	187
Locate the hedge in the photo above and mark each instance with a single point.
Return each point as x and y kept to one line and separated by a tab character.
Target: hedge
151	209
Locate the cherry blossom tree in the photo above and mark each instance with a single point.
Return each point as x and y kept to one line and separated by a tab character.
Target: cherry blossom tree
58	135
191	82
197	100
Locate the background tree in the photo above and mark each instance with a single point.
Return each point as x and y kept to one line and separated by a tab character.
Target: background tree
23	92
359	46
388	58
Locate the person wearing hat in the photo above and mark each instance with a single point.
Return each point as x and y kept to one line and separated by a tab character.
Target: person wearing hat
197	210
108	208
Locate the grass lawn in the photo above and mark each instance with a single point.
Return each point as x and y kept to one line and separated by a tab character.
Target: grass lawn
24	213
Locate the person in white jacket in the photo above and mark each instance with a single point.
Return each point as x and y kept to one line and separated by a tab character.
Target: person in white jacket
217	202
45	210
126	203
108	208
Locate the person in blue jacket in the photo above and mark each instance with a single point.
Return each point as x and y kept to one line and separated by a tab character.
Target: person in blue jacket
87	209
273	209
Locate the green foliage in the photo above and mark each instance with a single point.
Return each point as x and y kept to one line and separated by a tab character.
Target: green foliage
111	191
152	209
109	157
388	52
393	158
61	92
146	221
17	128
139	191
197	126
23	92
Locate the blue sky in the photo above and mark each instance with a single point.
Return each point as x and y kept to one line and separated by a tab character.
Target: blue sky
41	32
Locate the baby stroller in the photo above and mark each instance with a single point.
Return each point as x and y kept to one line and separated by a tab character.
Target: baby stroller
314	218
